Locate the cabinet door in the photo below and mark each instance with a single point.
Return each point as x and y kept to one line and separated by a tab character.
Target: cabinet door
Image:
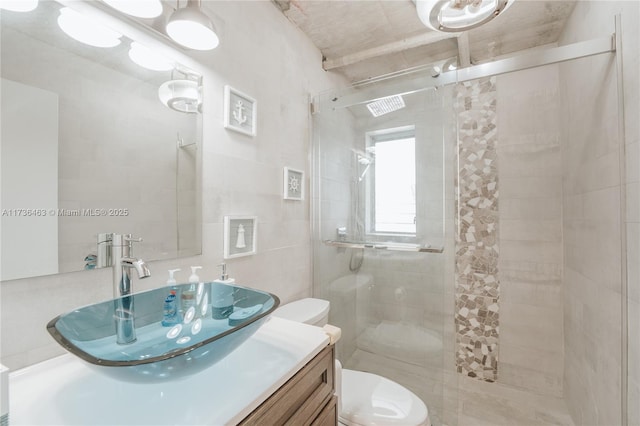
329	415
301	400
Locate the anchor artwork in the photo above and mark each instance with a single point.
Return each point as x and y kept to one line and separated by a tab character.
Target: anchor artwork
240	111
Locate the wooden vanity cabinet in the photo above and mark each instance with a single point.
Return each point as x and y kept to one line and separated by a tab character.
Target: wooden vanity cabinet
306	399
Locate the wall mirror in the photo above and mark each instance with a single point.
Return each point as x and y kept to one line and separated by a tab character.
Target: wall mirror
88	148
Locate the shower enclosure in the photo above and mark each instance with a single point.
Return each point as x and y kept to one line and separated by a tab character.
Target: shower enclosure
455	221
383	185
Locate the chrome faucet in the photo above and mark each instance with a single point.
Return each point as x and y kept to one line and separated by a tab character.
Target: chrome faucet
122	261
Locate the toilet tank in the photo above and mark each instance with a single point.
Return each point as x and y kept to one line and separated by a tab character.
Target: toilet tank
309	311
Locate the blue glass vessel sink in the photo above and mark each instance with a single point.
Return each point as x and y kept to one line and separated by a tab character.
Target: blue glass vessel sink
197	338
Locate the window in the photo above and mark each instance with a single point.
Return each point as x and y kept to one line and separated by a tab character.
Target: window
391	187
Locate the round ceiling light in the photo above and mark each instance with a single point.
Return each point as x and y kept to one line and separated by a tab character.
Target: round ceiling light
459	15
86	30
149	59
191	28
137	8
180	95
18	5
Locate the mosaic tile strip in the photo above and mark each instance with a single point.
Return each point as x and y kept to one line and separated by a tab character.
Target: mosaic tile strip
477	251
477	336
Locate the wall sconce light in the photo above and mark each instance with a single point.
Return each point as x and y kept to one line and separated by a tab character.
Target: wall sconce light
190	27
87	30
182	93
18	5
137	8
459	15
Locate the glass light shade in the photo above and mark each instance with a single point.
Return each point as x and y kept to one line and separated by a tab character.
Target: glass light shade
138	8
86	30
459	15
180	95
18	5
149	59
191	28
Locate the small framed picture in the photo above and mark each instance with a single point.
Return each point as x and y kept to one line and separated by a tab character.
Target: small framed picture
240	236
293	184
240	111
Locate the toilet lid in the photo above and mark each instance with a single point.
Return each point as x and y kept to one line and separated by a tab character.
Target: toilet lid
308	310
369	399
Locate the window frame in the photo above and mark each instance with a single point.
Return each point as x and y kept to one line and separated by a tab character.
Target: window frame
371	139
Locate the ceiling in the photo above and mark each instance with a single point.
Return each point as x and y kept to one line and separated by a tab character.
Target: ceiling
363	39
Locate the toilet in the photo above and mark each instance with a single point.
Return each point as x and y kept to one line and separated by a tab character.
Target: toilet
364	399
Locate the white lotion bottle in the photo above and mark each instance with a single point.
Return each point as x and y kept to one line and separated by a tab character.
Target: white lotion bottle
222	295
188	296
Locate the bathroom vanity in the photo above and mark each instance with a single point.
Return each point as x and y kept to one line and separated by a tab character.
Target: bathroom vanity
284	373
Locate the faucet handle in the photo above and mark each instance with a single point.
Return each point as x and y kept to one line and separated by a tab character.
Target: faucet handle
128	237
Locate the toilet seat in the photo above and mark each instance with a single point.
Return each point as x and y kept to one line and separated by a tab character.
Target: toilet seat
369	399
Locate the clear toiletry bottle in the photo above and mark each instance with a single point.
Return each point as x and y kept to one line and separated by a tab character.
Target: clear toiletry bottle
222	295
170	314
188	296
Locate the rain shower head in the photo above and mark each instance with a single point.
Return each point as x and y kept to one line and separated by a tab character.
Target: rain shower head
386	105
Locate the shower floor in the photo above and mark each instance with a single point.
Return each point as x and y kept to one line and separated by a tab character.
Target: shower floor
402	341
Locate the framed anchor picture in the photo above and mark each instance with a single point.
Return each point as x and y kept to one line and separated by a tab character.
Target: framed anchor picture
240	111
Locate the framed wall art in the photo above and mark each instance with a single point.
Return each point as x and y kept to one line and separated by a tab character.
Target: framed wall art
240	111
293	188
240	236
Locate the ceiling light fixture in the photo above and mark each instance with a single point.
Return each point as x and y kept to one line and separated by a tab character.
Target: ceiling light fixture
148	58
137	8
182	95
191	28
459	15
18	5
86	30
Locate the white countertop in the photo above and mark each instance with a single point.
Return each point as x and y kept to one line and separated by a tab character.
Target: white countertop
66	391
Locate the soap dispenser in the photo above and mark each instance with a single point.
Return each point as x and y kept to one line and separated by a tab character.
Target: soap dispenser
170	314
188	296
172	281
222	295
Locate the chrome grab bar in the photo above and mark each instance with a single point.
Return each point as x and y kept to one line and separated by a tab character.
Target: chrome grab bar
384	246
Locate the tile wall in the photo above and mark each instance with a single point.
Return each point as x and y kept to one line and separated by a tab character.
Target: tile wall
477	283
594	295
530	228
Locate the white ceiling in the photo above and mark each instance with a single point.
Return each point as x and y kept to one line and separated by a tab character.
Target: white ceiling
368	38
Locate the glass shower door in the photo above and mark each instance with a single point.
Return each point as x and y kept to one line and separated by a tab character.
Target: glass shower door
383	232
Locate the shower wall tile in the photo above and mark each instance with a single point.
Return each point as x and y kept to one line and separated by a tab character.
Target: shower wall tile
530	220
533	251
593	296
530	230
477	328
477	249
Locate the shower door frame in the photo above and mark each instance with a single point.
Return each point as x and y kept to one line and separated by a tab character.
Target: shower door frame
521	62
